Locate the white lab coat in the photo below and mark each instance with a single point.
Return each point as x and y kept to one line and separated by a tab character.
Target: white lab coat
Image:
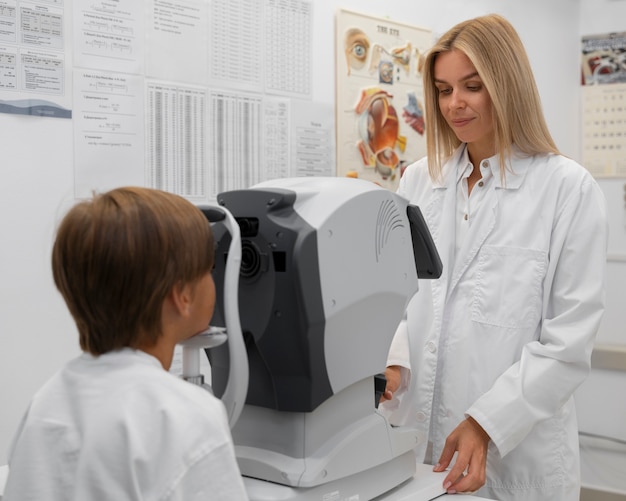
119	427
506	334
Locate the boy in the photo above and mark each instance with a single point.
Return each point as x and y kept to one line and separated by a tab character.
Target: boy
134	267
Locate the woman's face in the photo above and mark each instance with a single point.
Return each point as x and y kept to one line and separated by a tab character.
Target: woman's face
464	101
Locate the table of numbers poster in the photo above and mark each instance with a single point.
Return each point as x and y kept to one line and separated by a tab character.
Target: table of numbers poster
379	96
603	76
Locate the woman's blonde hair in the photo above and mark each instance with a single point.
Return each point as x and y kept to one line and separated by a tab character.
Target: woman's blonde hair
117	256
496	51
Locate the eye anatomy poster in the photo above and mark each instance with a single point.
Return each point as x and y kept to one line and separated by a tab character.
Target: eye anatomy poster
379	96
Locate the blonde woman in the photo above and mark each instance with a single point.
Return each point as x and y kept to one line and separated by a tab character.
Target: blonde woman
488	357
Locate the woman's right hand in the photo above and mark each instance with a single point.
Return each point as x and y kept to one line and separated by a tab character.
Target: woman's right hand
393	376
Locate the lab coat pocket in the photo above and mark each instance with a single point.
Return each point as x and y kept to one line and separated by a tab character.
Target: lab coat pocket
508	286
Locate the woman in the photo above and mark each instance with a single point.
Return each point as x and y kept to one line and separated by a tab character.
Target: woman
488	356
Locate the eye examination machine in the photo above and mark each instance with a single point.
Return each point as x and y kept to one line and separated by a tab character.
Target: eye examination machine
324	268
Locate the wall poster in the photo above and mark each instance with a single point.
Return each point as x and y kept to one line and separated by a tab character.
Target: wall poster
603	76
35	75
379	96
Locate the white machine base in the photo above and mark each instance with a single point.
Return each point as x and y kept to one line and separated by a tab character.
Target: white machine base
361	486
423	486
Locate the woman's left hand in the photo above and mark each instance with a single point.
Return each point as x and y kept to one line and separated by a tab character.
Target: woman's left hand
470	441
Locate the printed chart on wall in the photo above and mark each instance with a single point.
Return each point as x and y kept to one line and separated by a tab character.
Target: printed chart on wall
603	76
380	119
34	73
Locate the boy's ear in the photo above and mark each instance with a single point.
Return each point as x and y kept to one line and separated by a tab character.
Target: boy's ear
180	296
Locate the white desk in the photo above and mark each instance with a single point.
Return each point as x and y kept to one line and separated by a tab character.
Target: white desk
425	486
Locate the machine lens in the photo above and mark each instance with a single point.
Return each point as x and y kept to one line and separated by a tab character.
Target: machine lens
248	226
251	260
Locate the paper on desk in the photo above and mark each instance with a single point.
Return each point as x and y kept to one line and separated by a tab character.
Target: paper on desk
425	485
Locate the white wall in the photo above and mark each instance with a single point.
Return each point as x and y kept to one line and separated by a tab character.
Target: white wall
36	333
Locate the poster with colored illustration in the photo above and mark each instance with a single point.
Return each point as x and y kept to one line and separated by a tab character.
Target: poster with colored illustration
379	96
603	59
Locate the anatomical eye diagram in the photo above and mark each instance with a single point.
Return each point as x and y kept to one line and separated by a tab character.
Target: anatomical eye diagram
357	47
379	132
413	114
379	91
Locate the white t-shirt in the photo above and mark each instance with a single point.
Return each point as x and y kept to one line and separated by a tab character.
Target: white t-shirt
119	427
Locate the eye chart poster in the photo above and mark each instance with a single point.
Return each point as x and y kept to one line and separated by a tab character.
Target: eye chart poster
603	76
379	95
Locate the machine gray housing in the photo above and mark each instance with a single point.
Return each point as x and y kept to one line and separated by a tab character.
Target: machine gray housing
303	273
328	266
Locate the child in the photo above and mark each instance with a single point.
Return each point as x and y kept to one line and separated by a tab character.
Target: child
134	267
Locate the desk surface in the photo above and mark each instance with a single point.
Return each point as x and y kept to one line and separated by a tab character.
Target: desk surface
426	484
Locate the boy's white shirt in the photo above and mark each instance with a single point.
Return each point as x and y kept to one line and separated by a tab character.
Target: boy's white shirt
120	427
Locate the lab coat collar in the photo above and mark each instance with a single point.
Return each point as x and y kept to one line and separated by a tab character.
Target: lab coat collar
513	176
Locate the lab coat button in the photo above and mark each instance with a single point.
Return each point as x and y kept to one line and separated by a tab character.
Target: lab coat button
420	417
485	164
431	347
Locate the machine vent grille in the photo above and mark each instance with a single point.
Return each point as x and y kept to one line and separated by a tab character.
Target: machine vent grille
389	219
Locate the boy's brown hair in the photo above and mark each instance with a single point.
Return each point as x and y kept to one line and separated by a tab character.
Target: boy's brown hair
117	256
